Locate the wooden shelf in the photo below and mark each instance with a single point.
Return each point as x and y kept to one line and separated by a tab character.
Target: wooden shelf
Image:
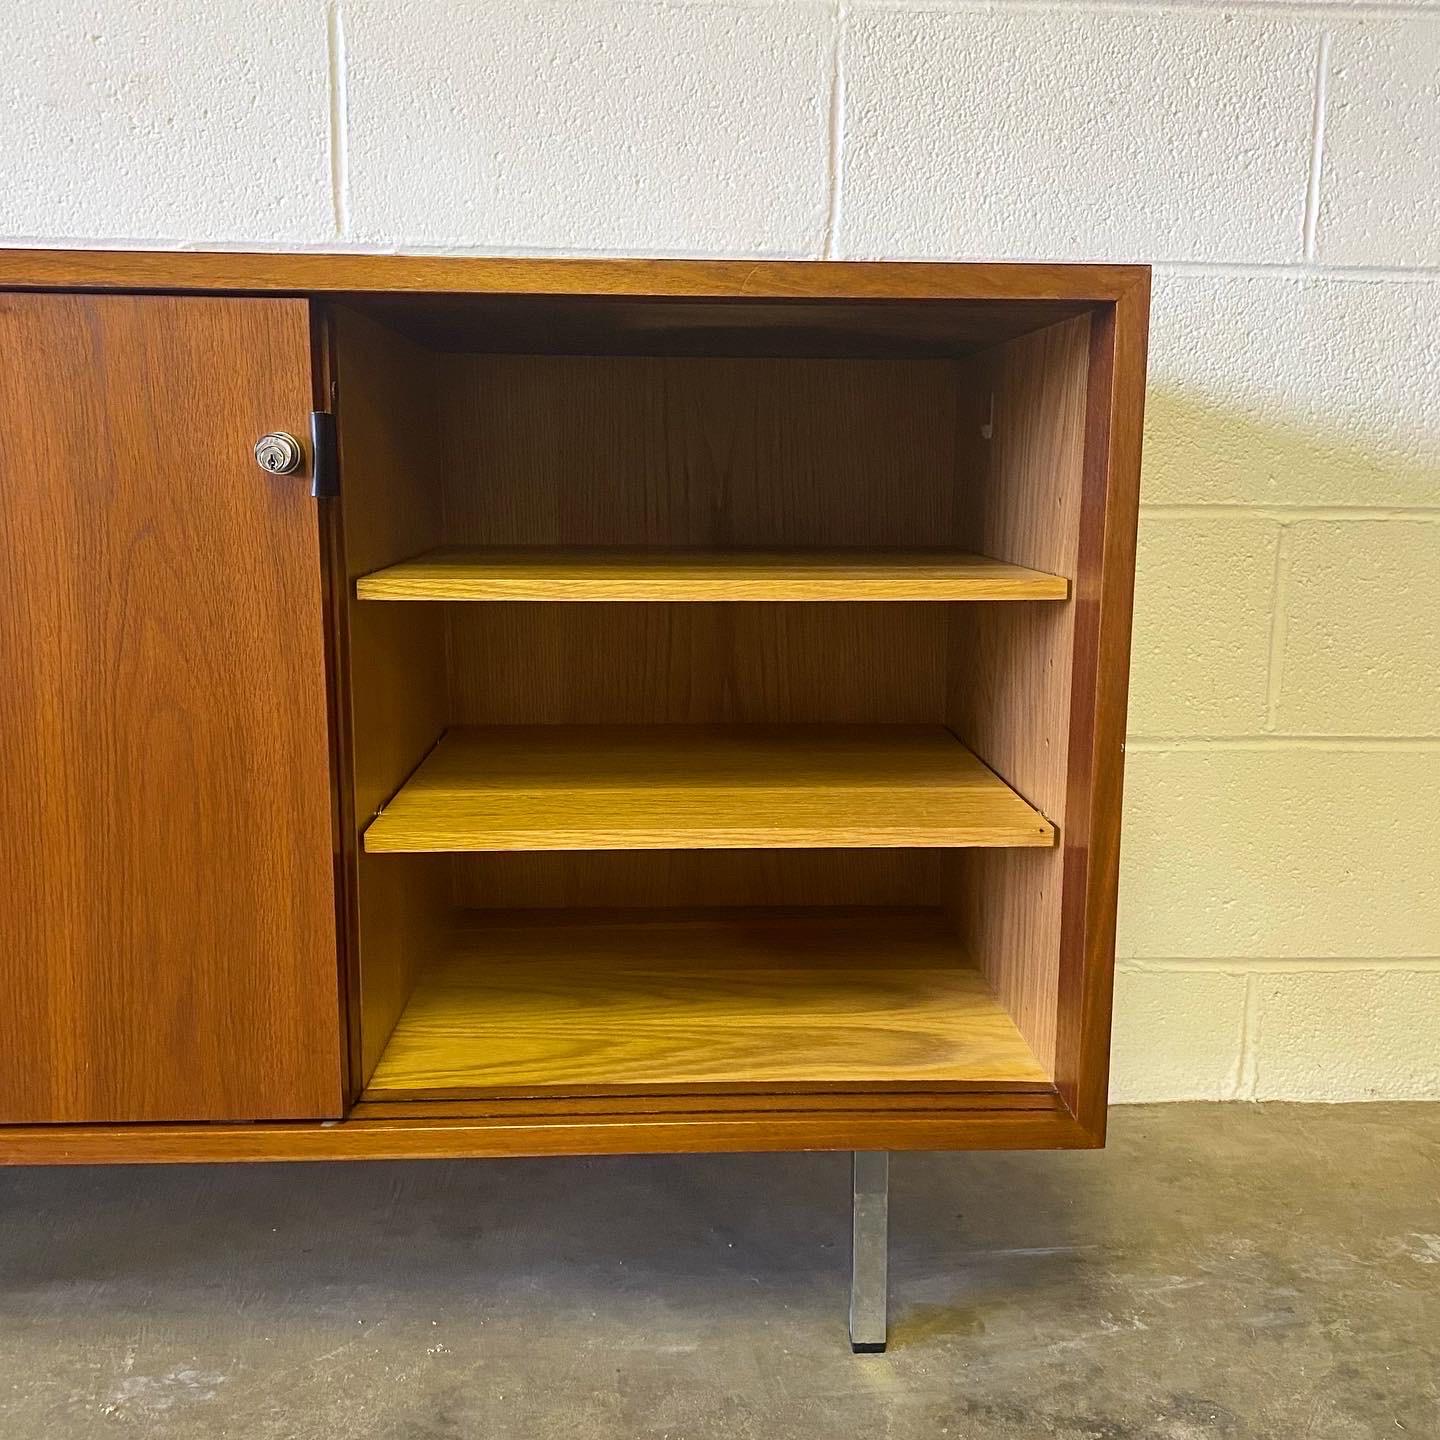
668	787
608	1003
522	573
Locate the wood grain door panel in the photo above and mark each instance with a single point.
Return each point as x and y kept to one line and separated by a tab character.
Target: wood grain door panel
167	917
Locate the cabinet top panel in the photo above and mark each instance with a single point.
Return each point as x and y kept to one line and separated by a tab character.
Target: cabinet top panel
477	275
705	308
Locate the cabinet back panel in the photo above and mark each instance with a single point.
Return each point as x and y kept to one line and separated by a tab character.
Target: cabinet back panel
549	450
561	450
637	879
546	664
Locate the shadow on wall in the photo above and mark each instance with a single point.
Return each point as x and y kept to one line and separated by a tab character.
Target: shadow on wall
1202	452
1273	875
1359	575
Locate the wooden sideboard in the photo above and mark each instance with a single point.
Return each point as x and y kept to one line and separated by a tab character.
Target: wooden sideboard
667	706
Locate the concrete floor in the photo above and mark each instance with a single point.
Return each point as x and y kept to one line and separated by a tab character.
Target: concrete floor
1241	1271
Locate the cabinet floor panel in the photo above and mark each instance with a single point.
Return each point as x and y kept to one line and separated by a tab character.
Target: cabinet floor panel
607	1003
681	787
613	574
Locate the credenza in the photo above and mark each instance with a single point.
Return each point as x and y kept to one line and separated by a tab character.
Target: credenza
481	707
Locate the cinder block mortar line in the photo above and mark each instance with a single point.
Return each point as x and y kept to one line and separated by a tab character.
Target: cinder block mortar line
1281	965
332	247
339	119
835	146
1183	269
1294	270
1317	145
1279	625
1247	1063
1154	744
112	242
1270	9
1289	514
675	4
1232	1086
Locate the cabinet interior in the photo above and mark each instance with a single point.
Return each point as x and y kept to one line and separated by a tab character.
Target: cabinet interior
707	756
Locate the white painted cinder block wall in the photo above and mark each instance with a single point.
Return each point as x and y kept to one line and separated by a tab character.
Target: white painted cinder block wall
1279	163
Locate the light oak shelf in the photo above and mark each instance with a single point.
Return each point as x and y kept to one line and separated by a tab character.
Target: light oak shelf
680	574
622	787
600	1004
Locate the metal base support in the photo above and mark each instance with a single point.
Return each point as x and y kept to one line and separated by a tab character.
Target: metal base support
870	1246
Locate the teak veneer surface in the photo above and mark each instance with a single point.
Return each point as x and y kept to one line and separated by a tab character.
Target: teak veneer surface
91	1039
614	573
1011	668
1104	597
676	1001
308	272
167	927
598	787
806	663
396	685
633	1127
887	877
717	454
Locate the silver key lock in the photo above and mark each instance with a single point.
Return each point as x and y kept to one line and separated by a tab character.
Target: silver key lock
278	453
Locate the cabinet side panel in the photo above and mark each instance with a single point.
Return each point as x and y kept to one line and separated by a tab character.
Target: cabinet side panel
167	936
1104	598
1010	665
391	503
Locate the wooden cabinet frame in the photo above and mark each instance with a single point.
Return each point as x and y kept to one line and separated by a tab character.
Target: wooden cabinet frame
440	298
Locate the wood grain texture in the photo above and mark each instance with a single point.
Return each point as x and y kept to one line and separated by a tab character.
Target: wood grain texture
1011	668
167	948
639	879
509	450
386	421
345	834
719	454
717	279
590	1003
636	1130
603	450
687	787
797	327
546	664
711	1100
1105	582
601	574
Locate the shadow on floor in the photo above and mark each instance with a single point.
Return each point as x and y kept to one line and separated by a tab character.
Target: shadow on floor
1229	1271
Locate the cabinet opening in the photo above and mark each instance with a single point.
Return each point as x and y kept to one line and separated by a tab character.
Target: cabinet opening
709	673
684	1000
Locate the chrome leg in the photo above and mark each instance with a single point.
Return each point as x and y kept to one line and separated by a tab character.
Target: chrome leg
869	1254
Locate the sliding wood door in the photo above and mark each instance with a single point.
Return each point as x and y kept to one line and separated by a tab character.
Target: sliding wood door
167	916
